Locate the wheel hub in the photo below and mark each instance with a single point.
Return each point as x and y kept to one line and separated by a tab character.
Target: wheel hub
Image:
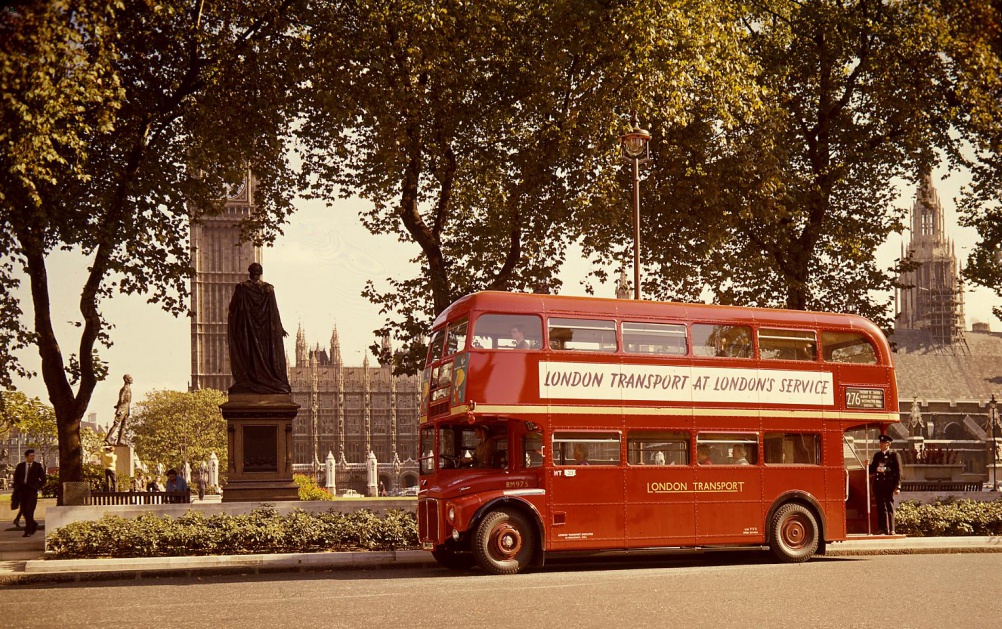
795	533
507	541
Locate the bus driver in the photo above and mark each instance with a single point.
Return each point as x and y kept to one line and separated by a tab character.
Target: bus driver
483	454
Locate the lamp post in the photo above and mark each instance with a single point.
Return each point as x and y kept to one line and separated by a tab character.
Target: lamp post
636	149
992	454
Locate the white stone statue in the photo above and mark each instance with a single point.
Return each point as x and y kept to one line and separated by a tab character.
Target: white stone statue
186	472
329	472
213	470
160	470
371	467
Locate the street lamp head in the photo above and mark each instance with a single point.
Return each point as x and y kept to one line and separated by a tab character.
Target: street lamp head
992	403
634	141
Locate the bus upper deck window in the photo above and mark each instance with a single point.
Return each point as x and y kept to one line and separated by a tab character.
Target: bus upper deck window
728	341
787	344
587	335
509	332
847	347
456	338
654	338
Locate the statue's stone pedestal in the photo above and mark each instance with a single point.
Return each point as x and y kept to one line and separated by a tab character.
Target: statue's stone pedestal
259	433
124	465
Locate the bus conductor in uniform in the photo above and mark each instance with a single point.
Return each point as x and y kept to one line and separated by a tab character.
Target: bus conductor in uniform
885	469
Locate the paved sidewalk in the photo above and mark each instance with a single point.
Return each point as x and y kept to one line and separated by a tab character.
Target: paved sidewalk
71	570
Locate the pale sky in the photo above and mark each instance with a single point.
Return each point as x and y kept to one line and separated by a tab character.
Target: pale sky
319	268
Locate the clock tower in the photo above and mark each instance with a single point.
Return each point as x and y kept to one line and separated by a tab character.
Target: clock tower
220	261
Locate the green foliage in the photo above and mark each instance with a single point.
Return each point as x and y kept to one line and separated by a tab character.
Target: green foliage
92	443
59	91
309	490
121	122
949	518
165	421
787	206
483	131
33	418
261	531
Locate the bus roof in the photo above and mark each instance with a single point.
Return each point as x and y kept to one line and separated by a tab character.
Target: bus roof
498	301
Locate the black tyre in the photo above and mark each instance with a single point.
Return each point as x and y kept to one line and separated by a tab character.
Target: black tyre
505	542
795	533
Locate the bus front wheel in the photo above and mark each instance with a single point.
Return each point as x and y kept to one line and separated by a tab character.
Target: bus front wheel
504	542
794	533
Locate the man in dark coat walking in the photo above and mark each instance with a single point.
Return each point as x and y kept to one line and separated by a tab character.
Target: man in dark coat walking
29	478
885	470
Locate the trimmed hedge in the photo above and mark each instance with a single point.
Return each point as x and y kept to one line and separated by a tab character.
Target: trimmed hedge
261	531
948	518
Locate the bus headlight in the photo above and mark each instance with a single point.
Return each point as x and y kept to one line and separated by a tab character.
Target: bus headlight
455	534
450	514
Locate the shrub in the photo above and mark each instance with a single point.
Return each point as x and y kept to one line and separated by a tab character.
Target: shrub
949	517
309	490
261	531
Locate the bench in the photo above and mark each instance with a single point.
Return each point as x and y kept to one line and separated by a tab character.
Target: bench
138	497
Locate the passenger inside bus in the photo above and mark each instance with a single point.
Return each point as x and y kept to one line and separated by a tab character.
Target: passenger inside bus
580	454
738	455
703	455
518	336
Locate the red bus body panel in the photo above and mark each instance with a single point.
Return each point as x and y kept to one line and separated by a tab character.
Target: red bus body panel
645	506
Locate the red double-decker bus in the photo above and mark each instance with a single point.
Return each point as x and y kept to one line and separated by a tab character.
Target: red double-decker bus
568	424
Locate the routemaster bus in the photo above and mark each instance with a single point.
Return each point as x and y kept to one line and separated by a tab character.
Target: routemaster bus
553	424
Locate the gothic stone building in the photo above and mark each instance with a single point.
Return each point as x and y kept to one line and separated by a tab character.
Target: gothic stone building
346	411
946	374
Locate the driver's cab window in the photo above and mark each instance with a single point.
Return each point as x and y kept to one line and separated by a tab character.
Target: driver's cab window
482	447
532	448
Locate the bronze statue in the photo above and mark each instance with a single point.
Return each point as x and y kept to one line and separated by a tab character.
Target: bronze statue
121	413
257	353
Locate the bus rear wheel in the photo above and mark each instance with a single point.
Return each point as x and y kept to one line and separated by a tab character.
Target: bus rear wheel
504	543
453	559
795	533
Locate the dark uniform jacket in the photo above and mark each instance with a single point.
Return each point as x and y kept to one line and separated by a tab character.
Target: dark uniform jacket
36	477
886	469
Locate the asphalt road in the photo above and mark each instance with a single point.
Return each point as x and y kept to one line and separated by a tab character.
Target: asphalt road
712	591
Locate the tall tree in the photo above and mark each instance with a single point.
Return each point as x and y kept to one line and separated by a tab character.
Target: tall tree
479	131
977	29
172	427
788	207
181	96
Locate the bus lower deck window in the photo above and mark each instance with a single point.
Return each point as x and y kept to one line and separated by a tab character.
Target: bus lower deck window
657	447
792	448
586	448
726	449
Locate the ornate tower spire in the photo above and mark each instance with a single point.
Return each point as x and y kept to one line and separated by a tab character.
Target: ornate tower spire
932	299
335	348
385	351
301	351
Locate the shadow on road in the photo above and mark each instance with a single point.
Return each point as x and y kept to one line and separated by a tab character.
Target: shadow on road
553	565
